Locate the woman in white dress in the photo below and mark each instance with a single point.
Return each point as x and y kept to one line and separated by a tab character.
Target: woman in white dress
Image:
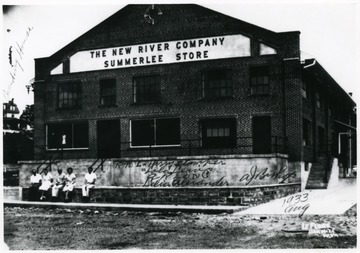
59	183
46	183
70	180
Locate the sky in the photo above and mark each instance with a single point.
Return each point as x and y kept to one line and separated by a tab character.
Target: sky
329	33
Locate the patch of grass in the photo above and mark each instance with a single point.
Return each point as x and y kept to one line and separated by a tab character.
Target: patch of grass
308	242
28	229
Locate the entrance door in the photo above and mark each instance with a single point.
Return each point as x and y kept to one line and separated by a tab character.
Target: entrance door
261	128
108	138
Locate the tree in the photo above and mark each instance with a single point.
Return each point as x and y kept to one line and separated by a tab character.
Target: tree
27	117
20	145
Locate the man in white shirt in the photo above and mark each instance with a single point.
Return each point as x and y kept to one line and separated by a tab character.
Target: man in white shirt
35	182
90	179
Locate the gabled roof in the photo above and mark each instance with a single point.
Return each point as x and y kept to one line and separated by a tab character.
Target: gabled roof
313	67
177	21
10	107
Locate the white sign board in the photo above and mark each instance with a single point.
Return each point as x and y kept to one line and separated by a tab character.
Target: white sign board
161	53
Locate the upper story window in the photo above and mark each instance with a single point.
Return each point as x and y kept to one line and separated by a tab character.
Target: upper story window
108	92
331	112
146	89
306	132
319	101
218	132
321	138
69	95
217	84
305	90
259	80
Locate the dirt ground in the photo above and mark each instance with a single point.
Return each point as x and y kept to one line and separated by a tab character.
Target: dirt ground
57	229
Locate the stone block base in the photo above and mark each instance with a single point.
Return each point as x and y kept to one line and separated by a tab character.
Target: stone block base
246	196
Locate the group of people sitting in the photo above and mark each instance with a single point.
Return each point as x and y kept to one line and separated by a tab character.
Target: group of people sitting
64	183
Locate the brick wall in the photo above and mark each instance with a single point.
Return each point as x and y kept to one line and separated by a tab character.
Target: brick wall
251	196
179	81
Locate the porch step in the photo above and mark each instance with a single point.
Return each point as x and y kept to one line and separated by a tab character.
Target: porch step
318	179
316	186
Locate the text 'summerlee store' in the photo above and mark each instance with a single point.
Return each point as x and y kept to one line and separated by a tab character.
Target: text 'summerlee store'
161	53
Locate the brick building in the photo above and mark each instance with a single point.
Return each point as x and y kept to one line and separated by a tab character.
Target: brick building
183	81
235	94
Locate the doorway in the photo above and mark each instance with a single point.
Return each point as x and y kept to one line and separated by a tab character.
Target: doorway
261	129
108	138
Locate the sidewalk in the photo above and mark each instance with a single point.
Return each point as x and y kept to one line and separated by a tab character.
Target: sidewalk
321	202
127	207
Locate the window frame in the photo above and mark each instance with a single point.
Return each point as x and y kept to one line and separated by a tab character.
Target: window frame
306	142
105	82
232	138
155	133
72	135
78	91
205	83
157	90
321	138
319	100
256	85
305	93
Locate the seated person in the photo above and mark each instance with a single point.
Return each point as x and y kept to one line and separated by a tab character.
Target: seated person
89	183
59	183
46	183
70	180
35	182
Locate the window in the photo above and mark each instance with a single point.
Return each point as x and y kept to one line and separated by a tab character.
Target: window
108	92
68	135
146	89
259	80
69	95
305	90
218	132
217	84
321	138
155	132
319	101
306	132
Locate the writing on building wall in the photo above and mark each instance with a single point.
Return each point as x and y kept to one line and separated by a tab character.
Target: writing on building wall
264	173
161	53
199	173
179	173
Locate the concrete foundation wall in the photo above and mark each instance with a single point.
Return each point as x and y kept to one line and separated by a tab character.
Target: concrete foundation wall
205	171
335	180
246	196
12	193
